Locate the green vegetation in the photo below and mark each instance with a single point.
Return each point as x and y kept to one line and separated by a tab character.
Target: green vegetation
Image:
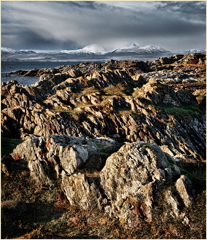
107	149
8	144
113	90
95	163
76	115
118	90
196	172
124	112
89	90
184	110
145	146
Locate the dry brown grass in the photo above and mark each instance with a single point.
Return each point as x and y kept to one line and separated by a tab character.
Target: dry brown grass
88	91
118	90
51	216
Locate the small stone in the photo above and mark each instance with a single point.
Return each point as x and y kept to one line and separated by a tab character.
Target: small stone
186	221
185	189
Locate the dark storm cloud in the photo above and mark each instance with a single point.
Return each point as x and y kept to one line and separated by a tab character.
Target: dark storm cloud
31	39
71	25
73	45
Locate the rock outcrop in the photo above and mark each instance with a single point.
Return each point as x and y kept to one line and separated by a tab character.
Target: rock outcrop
153	113
135	176
82	191
125	101
47	158
127	187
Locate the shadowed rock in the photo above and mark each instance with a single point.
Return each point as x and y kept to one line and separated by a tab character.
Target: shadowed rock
12	209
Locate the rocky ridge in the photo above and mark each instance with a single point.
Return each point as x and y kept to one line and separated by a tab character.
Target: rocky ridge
156	110
118	100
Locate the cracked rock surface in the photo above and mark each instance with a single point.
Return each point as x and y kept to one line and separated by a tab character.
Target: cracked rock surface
128	185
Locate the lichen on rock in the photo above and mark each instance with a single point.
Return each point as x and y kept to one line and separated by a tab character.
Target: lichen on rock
133	176
129	184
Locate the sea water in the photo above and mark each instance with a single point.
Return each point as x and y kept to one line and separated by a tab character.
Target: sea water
8	67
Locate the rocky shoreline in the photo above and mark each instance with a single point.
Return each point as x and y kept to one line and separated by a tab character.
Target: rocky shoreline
152	113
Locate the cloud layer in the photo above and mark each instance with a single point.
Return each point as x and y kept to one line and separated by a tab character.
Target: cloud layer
71	25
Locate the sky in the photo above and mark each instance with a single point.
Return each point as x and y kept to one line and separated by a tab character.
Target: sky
69	25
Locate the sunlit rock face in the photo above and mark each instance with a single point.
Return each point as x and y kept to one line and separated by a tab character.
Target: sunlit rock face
48	157
131	183
133	179
128	186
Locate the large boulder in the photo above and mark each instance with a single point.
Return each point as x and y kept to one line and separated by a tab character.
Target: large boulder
47	157
131	183
134	177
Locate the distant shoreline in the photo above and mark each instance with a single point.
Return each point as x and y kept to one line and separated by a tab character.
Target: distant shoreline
64	57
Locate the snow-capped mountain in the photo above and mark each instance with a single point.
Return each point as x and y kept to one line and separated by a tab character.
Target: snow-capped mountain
91	49
10	50
153	49
134	48
192	51
128	47
127	52
26	51
131	47
7	50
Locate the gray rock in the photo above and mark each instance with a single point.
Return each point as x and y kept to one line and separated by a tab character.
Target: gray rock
185	189
47	157
130	184
173	202
132	179
81	191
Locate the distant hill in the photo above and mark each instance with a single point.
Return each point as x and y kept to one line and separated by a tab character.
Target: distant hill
10	50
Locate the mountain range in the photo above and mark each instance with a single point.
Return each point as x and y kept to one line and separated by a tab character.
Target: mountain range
95	49
134	48
11	50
